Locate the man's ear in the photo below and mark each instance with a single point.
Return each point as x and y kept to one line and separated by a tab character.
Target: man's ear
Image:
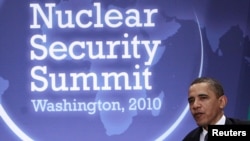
223	101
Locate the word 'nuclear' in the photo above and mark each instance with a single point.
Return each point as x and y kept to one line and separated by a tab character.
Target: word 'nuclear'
84	18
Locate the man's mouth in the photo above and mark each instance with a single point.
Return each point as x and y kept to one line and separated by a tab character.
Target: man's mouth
198	115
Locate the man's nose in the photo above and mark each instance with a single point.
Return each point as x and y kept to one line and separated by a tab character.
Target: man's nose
196	104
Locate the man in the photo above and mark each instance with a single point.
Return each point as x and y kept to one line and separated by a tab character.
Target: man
206	102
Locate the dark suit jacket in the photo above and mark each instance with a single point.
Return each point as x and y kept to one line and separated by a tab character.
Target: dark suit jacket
194	135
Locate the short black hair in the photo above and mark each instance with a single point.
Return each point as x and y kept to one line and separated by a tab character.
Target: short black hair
214	84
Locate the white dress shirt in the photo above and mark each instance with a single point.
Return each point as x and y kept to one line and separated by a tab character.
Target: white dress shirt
222	121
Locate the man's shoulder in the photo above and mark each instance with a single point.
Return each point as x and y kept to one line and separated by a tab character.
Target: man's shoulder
230	120
193	134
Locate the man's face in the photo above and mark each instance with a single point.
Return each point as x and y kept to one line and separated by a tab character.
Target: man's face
205	107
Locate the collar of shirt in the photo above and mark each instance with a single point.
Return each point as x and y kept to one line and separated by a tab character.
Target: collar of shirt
222	121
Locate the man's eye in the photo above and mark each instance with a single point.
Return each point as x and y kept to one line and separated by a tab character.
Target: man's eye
190	101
